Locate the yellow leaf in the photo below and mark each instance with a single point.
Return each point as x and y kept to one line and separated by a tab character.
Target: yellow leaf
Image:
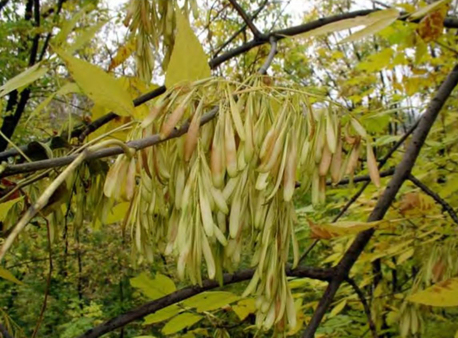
99	86
210	300
444	294
244	308
188	61
181	322
338	229
155	288
405	256
117	213
366	20
25	78
337	309
427	9
5	274
123	54
5	207
162	314
383	19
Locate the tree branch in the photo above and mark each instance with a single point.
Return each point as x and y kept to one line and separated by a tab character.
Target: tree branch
447	207
3	3
10	122
367	309
257	34
401	174
137	145
270	57
280	34
187	292
254	16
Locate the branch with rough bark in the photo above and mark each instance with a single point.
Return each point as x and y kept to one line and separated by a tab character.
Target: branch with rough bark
401	174
187	292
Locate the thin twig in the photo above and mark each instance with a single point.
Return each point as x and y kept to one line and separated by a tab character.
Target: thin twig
242	29
48	282
366	307
4	332
447	207
270	57
246	18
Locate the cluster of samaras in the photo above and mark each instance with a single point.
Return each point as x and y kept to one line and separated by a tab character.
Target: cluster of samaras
227	186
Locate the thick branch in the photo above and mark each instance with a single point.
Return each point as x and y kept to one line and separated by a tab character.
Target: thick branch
137	145
367	309
401	174
185	293
447	207
246	18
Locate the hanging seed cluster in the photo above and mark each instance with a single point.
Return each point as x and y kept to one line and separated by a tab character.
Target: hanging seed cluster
227	186
151	22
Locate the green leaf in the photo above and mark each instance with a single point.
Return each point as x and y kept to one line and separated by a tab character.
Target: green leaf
5	274
99	86
188	61
162	315
337	309
427	9
5	207
181	322
118	213
155	288
443	294
383	19
211	300
25	78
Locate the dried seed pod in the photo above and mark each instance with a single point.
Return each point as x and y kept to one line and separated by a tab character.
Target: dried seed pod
372	166
172	121
230	149
193	133
217	156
